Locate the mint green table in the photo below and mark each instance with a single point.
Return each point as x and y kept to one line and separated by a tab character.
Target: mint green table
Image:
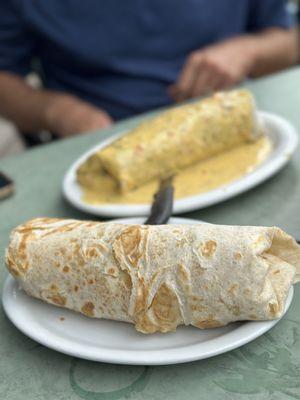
268	368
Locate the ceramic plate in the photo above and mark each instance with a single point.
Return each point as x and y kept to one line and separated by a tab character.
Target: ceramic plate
284	139
118	342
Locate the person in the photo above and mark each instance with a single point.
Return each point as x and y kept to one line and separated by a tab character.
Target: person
101	61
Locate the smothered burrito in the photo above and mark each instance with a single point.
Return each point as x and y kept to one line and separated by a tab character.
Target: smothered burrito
180	137
156	277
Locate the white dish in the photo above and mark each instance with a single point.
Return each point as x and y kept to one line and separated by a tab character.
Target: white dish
284	140
118	342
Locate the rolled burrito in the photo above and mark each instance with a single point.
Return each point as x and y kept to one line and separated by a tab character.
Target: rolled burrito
180	137
156	277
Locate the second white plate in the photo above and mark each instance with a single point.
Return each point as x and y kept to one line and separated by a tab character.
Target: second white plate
118	342
284	140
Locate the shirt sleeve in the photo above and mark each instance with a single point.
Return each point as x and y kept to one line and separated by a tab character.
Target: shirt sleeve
17	44
269	13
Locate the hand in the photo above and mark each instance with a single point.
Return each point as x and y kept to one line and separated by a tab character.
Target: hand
213	68
66	115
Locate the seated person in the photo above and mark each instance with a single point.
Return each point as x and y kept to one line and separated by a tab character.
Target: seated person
101	61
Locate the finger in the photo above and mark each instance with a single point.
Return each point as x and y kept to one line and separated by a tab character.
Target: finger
99	120
106	122
187	78
205	83
216	82
105	119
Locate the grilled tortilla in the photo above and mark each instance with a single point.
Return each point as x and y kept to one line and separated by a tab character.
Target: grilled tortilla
156	277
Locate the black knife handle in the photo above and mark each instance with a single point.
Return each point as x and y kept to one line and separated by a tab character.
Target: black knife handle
162	206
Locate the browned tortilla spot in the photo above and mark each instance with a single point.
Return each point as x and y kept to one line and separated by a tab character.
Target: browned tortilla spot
102	248
112	271
273	308
276	272
61	229
39	222
76	288
56	264
141	298
127	280
92	253
91	224
81	263
180	242
66	269
36	223
88	309
57	299
207	323
166	310
78	255
165	306
183	273
130	240
91	281
53	287
197	307
22	245
145	325
208	248
12	266
22	250
14	271
233	288
237	256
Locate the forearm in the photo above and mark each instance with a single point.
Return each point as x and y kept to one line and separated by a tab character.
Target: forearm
26	107
273	49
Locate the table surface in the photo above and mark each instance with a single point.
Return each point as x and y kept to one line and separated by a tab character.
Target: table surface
268	368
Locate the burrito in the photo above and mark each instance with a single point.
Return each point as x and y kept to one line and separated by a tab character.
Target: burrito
181	137
156	277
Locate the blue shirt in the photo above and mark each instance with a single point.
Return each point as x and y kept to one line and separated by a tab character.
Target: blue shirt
121	55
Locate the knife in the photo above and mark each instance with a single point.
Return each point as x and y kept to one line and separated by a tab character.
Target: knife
162	206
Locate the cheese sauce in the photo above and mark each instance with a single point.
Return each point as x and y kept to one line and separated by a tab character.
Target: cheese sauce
99	188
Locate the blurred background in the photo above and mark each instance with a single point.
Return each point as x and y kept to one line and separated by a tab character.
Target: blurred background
17	134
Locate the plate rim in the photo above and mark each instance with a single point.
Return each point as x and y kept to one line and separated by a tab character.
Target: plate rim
175	355
190	203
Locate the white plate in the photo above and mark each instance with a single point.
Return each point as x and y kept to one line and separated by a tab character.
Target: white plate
284	139
118	342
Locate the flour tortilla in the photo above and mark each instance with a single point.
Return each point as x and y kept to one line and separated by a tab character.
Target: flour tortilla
156	277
